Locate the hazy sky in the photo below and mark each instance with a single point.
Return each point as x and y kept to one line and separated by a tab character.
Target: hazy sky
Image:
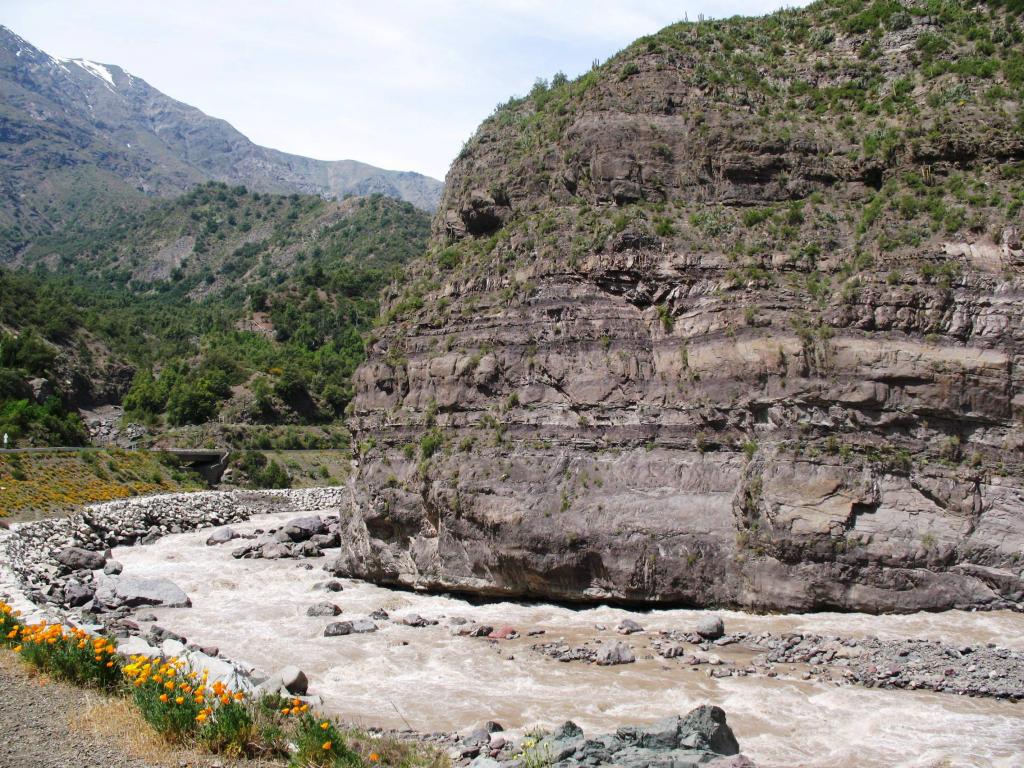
396	83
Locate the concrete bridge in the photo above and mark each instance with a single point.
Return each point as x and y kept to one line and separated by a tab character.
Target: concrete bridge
209	463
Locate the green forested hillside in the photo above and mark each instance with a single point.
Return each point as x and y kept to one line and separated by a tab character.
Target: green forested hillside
221	305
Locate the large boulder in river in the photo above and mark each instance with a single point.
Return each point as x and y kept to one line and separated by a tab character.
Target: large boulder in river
131	591
304	528
711	627
78	559
323	609
705	728
615	653
275	551
222	536
338	629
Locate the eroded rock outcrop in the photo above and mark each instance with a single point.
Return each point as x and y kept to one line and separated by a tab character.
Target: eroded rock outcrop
675	341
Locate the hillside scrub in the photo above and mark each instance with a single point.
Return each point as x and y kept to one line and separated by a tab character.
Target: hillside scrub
37	484
259	321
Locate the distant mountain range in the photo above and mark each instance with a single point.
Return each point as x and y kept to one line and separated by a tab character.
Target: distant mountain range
78	138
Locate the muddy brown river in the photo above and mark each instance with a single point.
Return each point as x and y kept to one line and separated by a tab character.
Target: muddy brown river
427	679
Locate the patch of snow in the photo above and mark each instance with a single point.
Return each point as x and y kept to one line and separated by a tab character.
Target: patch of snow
97	70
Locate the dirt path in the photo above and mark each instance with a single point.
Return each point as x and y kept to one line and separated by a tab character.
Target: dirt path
47	724
37	716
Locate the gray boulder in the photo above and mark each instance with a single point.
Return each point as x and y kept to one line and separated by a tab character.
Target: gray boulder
221	536
362	626
77	595
705	728
246	550
112	568
294	680
323	609
326	540
130	591
304	528
615	653
275	551
711	627
628	627
338	628
78	559
567	730
307	549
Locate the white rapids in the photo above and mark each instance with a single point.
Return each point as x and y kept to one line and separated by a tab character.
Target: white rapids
429	680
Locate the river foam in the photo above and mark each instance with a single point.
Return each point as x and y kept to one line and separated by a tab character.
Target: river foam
428	679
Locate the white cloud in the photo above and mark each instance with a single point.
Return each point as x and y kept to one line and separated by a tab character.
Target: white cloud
397	83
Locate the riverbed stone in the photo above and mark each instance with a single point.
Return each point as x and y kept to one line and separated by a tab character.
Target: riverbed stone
363	626
710	627
567	730
294	680
628	627
705	728
132	591
615	653
222	536
79	559
323	609
338	629
303	528
77	595
307	549
275	550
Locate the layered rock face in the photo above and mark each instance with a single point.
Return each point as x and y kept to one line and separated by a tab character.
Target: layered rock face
734	319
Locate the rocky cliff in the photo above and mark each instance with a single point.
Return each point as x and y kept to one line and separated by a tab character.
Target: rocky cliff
733	319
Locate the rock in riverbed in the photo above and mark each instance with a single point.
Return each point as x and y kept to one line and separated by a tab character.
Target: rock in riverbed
323	609
221	536
628	627
711	627
338	629
78	559
117	591
615	653
304	528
